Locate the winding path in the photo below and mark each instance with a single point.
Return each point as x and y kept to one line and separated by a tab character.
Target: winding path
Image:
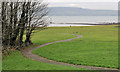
28	53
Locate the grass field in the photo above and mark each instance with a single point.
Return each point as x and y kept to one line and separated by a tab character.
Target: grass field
97	47
17	62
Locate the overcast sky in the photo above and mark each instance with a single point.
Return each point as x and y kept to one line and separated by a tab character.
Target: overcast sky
90	4
82	0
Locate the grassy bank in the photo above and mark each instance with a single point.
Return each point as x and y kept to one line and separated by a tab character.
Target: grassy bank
17	62
98	47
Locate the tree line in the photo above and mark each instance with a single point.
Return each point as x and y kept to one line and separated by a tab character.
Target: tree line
19	20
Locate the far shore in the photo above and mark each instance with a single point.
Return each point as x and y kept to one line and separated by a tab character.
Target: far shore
78	24
90	23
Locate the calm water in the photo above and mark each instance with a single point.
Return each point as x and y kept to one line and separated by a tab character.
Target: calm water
84	19
81	19
65	25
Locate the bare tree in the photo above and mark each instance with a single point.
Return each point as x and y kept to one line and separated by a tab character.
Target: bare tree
19	19
35	19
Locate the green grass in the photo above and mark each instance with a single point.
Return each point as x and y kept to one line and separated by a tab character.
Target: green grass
17	62
97	47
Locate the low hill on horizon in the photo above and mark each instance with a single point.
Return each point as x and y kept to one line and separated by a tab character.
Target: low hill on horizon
74	11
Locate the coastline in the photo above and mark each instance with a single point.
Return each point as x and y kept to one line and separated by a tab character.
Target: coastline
78	24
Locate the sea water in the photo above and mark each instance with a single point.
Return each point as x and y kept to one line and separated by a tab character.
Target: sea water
62	20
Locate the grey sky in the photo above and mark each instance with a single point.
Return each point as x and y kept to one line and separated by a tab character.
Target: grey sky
90	4
82	0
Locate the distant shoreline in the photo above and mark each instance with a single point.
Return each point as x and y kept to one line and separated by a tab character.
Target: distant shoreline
90	23
77	24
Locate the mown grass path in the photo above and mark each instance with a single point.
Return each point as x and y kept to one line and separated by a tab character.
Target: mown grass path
28	53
